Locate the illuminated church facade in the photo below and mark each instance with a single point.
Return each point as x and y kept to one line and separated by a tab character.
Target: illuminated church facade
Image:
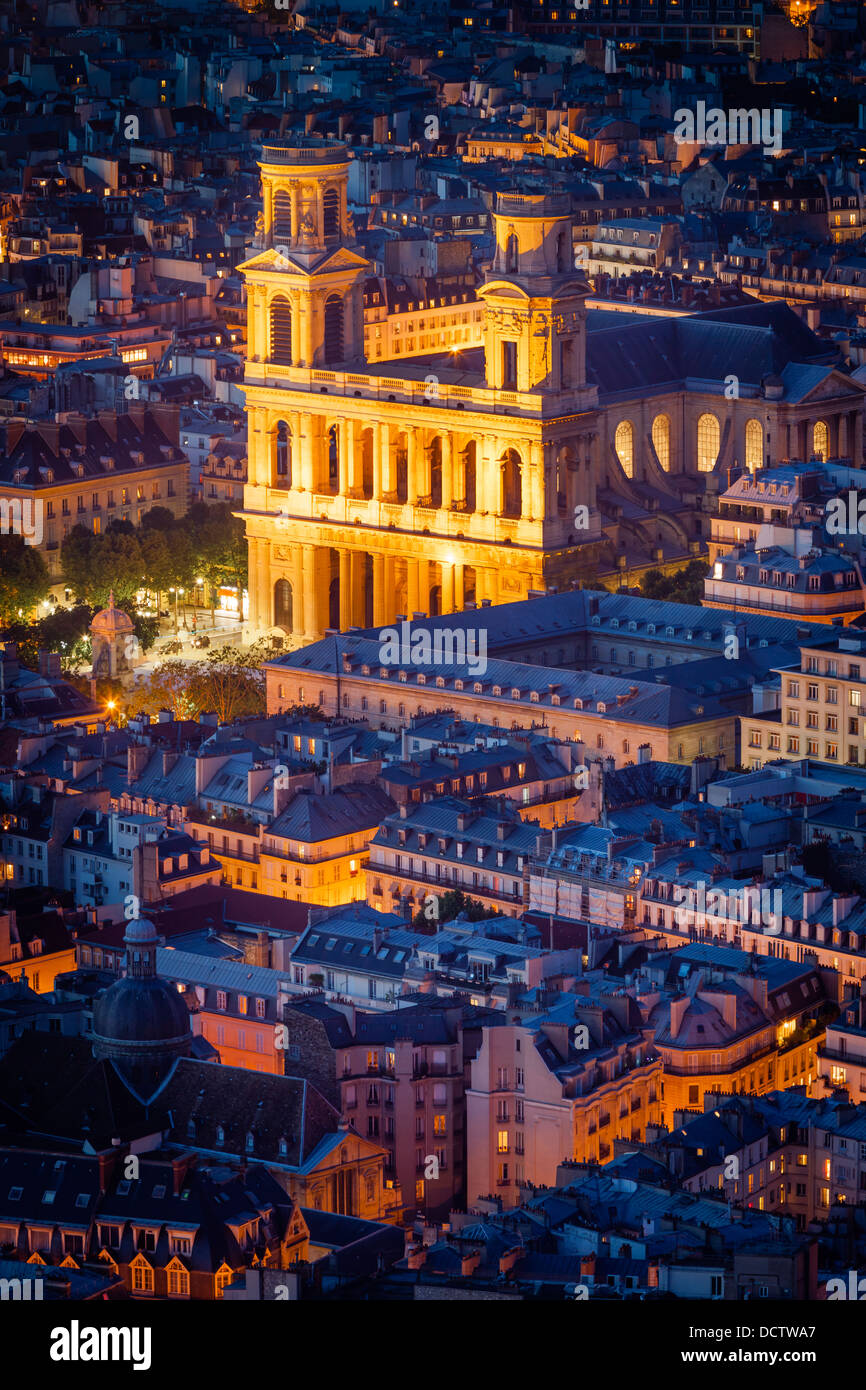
424	484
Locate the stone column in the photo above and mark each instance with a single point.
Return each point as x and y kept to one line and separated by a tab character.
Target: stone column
305	448
312	627
857	448
262	587
459	595
423	586
320	212
411	465
253	323
345	589
458	472
488	484
389	482
298	592
412	602
447	588
534	503
297	326
376	445
308	349
447	471
389	595
842	436
379	618
294	211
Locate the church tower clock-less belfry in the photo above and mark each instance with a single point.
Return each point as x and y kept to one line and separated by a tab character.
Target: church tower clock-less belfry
423	483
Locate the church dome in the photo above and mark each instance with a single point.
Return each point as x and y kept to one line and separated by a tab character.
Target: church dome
142	1012
111	621
141	1023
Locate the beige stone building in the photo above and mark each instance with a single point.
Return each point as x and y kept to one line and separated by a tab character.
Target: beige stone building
467	460
822	708
421	488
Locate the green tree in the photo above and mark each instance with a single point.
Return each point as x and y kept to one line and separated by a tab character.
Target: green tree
169	686
227	682
219	545
24	578
93	566
685	585
450	905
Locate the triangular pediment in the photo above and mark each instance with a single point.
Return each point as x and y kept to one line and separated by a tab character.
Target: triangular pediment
302	263
833	386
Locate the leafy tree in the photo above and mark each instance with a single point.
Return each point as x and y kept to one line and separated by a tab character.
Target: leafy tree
218	544
685	585
75	558
158	519
228	683
450	905
169	686
24	578
225	682
93	566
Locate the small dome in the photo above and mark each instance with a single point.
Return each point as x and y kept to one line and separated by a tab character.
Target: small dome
111	621
144	1011
140	931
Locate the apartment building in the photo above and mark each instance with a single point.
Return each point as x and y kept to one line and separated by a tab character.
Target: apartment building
88	472
535	1098
478	848
820	715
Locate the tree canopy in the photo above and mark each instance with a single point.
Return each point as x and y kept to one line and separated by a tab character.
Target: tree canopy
163	553
686	585
24	578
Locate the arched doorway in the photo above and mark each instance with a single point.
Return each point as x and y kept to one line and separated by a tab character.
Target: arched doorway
402	468
283	455
436	472
333	329
281	332
334	459
469	465
512	485
283	605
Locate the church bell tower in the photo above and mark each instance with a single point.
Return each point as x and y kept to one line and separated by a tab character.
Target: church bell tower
535	302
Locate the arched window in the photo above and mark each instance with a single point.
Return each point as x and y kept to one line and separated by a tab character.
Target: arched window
331	213
708	443
754	445
820	440
283	604
435	452
469	476
661	434
512	485
333	328
282	229
623	442
561	253
333	458
281	332
283	455
511	253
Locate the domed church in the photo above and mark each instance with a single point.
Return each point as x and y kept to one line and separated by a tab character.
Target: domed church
140	1023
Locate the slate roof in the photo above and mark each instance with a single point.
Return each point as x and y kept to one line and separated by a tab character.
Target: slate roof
311	817
31	452
643	702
